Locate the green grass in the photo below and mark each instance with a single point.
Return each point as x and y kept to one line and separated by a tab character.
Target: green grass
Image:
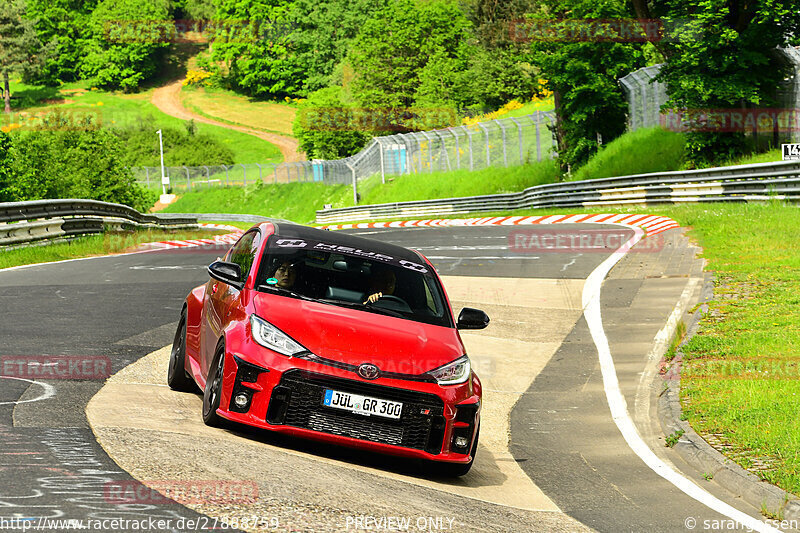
93	245
117	110
300	201
232	108
638	152
529	108
292	201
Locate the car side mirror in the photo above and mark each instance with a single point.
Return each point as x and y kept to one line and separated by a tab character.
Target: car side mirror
226	272
470	318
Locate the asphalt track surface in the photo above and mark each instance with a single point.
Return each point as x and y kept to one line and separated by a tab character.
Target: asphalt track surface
562	435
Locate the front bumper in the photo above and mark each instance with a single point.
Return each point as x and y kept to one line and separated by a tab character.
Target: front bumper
437	423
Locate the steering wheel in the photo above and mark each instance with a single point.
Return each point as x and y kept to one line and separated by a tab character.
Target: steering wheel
392	298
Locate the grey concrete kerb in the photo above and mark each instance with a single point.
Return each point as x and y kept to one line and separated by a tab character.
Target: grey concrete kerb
702	456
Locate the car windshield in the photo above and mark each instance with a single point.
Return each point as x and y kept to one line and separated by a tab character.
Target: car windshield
353	278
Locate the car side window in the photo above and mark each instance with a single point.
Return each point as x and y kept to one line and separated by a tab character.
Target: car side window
243	252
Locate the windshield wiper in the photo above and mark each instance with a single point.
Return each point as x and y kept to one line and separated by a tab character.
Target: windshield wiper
362	307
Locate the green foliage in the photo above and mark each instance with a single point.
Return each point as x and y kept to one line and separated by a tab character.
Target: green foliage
258	58
126	41
322	33
6	161
623	156
325	126
21	51
583	77
411	52
66	24
724	57
71	163
180	147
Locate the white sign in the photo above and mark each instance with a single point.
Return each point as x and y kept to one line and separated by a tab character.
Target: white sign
165	181
791	152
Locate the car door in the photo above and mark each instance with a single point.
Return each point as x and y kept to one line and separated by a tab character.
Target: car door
219	296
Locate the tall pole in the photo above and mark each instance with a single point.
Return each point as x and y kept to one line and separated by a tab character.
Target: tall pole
164	179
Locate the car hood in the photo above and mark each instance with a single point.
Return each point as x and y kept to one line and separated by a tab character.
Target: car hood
355	337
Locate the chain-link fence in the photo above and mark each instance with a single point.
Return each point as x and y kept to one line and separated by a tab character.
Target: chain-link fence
646	96
497	143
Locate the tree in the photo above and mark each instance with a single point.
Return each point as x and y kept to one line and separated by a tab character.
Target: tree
583	76
391	52
5	166
20	48
256	47
127	37
722	56
327	127
65	23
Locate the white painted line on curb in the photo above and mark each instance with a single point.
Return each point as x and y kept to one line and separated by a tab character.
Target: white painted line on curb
619	408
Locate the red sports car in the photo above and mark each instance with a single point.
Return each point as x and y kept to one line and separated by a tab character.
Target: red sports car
332	337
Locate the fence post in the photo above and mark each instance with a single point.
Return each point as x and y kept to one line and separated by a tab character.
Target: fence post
538	135
443	150
380	153
244	173
355	190
260	173
226	174
187	175
458	148
488	154
519	130
471	157
147	176
430	149
505	152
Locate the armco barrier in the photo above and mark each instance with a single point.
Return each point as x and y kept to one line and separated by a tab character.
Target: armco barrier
741	183
23	222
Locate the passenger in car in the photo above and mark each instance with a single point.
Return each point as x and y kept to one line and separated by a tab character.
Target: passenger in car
382	283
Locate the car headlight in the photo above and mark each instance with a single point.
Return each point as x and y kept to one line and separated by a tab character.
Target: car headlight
452	373
271	337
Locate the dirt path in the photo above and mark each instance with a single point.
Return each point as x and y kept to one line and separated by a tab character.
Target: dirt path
168	100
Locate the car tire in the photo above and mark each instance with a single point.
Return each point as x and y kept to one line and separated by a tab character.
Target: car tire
177	378
213	390
458	469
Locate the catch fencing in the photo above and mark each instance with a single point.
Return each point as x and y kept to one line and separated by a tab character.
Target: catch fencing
497	143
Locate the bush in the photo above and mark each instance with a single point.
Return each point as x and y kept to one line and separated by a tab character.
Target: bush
180	147
326	127
73	163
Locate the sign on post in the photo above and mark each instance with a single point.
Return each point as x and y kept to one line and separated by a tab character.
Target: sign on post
791	152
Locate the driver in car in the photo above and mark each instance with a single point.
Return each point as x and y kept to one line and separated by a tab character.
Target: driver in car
286	274
382	283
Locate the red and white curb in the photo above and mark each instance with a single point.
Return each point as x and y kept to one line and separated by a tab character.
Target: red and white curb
651	224
228	238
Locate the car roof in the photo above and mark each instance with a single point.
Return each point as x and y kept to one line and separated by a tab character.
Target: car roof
296	231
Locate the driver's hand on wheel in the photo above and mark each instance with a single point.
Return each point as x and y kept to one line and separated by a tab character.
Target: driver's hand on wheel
372	298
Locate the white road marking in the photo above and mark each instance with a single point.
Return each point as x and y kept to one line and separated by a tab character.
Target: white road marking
48	391
619	408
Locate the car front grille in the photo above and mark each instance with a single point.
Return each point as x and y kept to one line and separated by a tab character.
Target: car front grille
297	401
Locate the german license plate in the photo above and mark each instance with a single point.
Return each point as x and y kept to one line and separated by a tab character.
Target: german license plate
362	405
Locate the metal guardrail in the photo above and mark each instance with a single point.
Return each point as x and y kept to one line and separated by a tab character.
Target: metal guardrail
24	222
740	183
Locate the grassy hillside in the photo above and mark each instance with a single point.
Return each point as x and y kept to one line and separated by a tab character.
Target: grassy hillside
117	110
229	107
